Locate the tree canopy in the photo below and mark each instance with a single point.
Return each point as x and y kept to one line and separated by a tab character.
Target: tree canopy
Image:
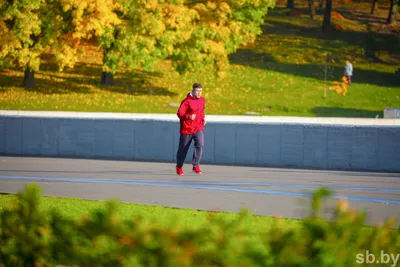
33	27
192	34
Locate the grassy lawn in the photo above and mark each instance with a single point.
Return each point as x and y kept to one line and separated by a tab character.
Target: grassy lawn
151	215
282	74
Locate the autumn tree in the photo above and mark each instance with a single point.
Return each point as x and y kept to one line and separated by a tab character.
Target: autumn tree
191	34
32	28
220	29
149	32
20	24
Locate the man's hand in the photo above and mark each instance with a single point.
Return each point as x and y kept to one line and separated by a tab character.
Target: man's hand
192	116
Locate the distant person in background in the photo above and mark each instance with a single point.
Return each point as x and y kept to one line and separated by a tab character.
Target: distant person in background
348	71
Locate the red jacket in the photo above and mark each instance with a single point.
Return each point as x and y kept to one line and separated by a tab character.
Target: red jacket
191	105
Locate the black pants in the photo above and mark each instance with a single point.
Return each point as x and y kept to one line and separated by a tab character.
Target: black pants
184	143
348	78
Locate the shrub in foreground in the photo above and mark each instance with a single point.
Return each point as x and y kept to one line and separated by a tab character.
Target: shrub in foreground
30	236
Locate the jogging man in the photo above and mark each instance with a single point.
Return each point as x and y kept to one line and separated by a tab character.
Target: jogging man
192	122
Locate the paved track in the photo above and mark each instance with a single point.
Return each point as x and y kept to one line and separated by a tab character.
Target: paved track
264	191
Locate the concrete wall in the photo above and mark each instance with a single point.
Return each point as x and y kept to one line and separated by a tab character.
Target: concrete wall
329	143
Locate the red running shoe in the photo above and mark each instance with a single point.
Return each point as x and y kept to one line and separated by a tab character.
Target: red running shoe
197	170
179	170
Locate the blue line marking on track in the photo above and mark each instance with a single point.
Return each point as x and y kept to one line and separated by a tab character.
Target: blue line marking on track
218	186
383	189
203	182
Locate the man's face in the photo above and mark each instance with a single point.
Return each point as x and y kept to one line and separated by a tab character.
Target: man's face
197	92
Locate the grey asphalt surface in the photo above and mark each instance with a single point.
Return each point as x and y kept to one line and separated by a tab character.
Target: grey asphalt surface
263	191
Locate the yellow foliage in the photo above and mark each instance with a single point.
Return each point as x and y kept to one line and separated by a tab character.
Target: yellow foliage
176	17
225	8
211	5
42	28
149	4
215	48
66	56
7	40
91	17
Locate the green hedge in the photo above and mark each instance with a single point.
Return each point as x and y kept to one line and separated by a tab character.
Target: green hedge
33	237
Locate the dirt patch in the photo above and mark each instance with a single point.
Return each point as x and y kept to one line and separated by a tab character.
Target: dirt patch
295	13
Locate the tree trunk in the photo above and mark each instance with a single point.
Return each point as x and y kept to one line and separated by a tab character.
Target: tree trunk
290	4
326	26
392	12
107	78
311	9
321	4
374	6
29	78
